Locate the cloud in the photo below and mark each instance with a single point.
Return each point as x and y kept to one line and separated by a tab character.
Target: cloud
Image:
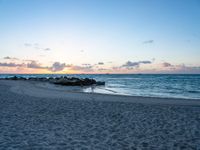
165	64
100	63
181	68
145	62
29	64
28	60
103	69
33	64
11	65
47	49
7	57
153	59
86	68
10	58
148	42
57	66
185	69
116	68
30	44
36	46
86	64
131	65
27	44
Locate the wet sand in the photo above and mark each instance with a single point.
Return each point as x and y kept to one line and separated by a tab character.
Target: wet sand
36	115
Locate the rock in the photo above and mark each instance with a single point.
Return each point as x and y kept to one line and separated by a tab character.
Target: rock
14	78
63	80
42	79
50	78
21	78
77	82
100	83
32	79
88	81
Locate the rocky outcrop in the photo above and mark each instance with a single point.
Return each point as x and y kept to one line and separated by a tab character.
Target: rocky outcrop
75	81
62	80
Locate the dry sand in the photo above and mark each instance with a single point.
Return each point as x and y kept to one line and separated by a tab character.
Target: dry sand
38	115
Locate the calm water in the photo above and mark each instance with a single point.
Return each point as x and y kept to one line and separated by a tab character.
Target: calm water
178	86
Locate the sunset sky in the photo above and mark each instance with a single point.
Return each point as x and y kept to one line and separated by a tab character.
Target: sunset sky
99	36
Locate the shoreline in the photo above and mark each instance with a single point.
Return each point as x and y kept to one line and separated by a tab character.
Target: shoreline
160	86
48	90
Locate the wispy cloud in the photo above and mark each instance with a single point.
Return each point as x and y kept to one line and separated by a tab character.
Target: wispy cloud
86	64
180	68
10	58
131	65
166	64
153	59
102	69
148	42
189	69
86	68
47	49
101	63
36	46
11	64
27	44
29	60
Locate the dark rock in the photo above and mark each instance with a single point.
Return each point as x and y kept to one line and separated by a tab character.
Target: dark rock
14	78
21	78
32	79
100	83
63	80
77	82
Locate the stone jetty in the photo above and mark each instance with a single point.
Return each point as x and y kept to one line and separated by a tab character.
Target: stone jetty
67	81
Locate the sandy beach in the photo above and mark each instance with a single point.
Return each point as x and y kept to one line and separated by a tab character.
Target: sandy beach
39	115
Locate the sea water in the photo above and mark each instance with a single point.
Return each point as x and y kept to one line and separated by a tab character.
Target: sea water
153	85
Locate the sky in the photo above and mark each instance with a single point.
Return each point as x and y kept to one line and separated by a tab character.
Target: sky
100	36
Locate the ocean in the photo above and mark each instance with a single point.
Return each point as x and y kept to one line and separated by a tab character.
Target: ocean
148	85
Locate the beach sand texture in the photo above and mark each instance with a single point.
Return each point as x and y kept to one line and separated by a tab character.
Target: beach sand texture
35	115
